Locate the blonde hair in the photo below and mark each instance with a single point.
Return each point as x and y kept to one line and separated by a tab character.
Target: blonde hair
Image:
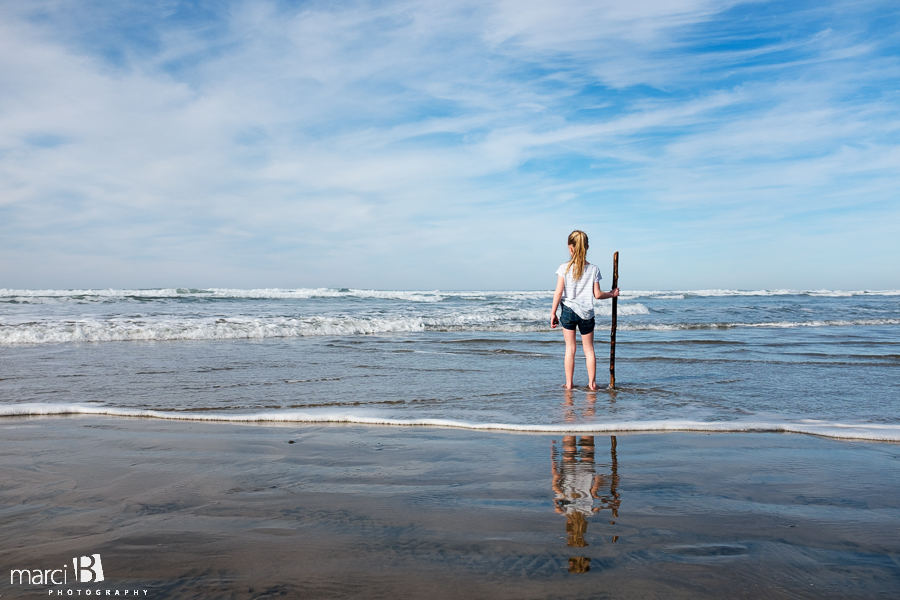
579	240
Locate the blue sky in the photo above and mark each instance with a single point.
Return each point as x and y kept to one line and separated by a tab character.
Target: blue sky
449	145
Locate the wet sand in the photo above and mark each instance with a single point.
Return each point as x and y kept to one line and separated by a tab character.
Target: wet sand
190	510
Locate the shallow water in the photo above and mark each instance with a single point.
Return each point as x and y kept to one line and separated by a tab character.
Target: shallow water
819	362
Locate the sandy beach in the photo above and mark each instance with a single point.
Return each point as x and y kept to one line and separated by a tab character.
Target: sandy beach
188	510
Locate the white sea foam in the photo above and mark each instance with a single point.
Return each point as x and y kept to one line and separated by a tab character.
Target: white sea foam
855	431
770	324
219	293
712	293
117	330
210	328
631	295
200	329
408	296
88	295
605	309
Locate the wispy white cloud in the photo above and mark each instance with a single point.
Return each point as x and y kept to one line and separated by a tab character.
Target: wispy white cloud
413	144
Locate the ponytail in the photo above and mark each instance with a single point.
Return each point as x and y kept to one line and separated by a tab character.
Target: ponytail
579	240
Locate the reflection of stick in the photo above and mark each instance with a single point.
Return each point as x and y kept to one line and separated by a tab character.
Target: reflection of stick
612	333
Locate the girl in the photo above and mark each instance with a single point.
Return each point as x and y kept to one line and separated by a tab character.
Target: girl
577	284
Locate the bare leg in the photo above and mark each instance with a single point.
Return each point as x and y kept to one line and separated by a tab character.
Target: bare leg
587	342
569	406
569	336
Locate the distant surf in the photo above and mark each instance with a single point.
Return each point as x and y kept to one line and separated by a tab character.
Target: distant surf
116	315
408	296
148	328
237	328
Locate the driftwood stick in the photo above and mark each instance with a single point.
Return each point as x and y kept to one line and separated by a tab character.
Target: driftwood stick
612	331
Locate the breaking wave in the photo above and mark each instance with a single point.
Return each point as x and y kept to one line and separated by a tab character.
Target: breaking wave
210	328
118	330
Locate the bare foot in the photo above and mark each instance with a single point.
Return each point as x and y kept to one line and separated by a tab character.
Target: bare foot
567	386
593	387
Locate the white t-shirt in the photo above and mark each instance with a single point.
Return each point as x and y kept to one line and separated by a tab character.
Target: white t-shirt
579	295
576	484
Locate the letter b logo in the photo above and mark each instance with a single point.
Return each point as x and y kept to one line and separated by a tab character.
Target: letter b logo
89	569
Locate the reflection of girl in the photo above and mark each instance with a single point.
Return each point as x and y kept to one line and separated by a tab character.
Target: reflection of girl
576	485
577	284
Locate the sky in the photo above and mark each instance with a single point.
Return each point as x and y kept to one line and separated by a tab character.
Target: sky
449	145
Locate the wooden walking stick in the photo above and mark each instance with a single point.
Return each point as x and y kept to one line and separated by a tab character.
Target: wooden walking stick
612	332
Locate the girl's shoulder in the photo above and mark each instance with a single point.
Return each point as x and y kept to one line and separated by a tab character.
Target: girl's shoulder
591	271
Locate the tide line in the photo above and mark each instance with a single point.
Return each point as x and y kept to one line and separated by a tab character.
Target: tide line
852	431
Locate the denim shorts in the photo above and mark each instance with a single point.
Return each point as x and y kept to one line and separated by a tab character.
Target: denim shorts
569	319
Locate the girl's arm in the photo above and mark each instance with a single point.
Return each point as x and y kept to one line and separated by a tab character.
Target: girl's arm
599	295
557	296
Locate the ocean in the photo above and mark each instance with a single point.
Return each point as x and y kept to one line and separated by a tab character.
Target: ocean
817	362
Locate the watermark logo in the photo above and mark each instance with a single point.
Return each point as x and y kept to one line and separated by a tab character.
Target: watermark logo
89	569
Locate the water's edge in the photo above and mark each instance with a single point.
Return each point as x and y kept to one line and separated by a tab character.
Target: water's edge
846	431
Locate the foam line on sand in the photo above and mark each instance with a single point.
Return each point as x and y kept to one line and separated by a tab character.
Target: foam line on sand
853	431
